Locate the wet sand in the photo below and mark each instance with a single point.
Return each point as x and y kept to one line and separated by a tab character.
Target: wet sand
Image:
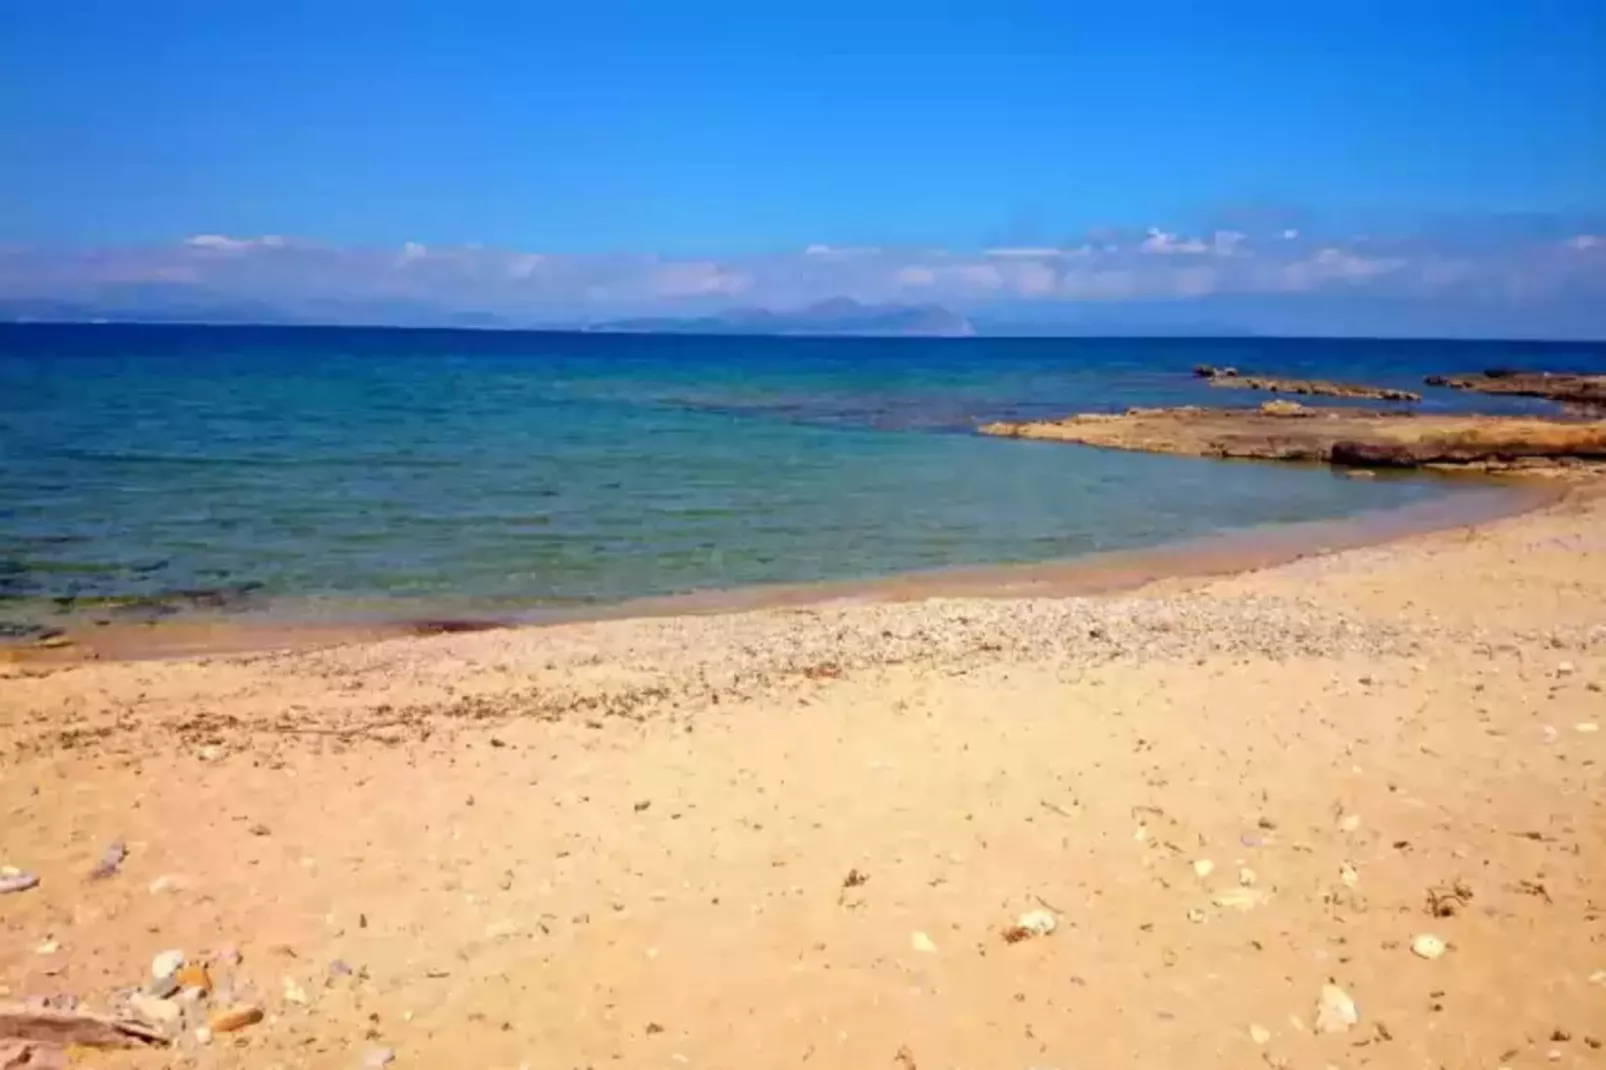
799	835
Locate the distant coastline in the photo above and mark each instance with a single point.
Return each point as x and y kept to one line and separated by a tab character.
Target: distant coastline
838	316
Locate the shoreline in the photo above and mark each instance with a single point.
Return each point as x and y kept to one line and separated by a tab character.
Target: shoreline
808	835
1105	572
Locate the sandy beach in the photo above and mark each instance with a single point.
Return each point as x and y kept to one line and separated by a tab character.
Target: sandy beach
803	835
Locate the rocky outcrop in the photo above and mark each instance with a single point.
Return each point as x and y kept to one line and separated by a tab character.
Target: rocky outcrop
1556	386
1287	431
1231	379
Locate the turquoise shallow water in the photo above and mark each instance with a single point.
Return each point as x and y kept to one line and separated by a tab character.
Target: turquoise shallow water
363	468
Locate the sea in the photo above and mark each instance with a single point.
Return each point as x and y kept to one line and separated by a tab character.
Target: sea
355	472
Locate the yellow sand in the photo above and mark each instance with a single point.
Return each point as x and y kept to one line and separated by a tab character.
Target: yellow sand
630	843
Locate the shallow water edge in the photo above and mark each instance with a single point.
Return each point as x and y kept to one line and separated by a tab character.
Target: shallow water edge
287	626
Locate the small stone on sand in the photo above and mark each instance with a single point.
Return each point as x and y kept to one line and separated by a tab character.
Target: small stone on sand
1032	923
1259	1034
1241	898
921	942
167	964
1348	875
153	1010
16	880
235	1018
1335	1011
1203	867
1427	946
377	1058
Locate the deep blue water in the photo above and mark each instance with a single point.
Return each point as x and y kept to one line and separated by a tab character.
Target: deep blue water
371	467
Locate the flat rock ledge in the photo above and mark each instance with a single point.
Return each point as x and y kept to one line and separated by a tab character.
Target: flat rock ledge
1230	379
1288	431
1556	386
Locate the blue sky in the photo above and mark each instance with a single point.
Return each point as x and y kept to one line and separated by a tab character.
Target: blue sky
605	133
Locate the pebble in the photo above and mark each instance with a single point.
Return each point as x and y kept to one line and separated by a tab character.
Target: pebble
1335	1011
922	942
1203	867
167	964
1598	977
1196	915
203	1035
1566	668
211	752
1348	875
1241	898
293	992
1586	727
377	1058
1036	923
1259	1034
162	987
194	976
235	1018
111	859
1349	823
16	880
48	946
1427	946
1246	876
154	1010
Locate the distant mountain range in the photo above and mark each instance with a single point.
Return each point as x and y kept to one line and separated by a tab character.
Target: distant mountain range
838	316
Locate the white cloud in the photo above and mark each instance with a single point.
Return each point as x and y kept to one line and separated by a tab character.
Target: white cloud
1159	241
1226	242
840	252
219	243
1336	265
1023	254
530	286
696	278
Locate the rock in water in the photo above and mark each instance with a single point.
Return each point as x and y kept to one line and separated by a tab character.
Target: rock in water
1335	1011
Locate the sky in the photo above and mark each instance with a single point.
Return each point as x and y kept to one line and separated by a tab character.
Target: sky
562	162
